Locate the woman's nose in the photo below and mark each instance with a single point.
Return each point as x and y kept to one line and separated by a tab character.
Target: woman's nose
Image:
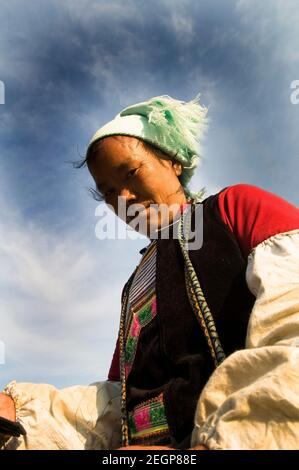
127	194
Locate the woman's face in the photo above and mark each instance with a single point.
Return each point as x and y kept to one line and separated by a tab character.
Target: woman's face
124	171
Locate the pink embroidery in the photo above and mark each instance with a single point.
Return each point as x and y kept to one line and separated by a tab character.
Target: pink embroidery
142	419
135	326
148	420
154	306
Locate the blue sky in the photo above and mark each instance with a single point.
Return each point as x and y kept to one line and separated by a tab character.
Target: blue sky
68	68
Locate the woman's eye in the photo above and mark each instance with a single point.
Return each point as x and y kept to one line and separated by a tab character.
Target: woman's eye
132	172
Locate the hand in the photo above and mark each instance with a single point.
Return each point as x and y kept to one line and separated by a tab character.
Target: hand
7	407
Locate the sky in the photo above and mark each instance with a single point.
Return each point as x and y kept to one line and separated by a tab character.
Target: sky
66	69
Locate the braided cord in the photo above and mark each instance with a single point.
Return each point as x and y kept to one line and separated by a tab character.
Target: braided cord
195	293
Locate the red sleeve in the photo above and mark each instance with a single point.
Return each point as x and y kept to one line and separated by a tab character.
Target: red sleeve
254	214
114	372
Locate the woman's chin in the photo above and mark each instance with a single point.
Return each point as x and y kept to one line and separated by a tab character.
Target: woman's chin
151	222
144	225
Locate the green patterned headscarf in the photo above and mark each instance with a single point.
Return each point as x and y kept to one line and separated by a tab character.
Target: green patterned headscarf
174	126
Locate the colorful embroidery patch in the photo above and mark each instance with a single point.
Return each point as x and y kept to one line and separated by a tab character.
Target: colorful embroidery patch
142	314
148	419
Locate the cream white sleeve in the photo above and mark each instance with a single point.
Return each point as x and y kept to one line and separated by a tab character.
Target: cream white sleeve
251	400
72	418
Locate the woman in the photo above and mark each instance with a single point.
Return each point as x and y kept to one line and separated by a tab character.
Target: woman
207	354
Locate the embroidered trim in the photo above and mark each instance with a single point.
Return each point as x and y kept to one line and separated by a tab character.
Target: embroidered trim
124	415
142	307
141	277
146	310
148	419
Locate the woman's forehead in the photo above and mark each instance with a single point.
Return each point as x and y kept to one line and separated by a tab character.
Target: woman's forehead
116	149
115	161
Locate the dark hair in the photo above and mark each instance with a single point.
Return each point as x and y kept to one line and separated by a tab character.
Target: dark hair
148	147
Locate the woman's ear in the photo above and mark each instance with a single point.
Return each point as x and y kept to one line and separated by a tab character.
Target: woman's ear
177	168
